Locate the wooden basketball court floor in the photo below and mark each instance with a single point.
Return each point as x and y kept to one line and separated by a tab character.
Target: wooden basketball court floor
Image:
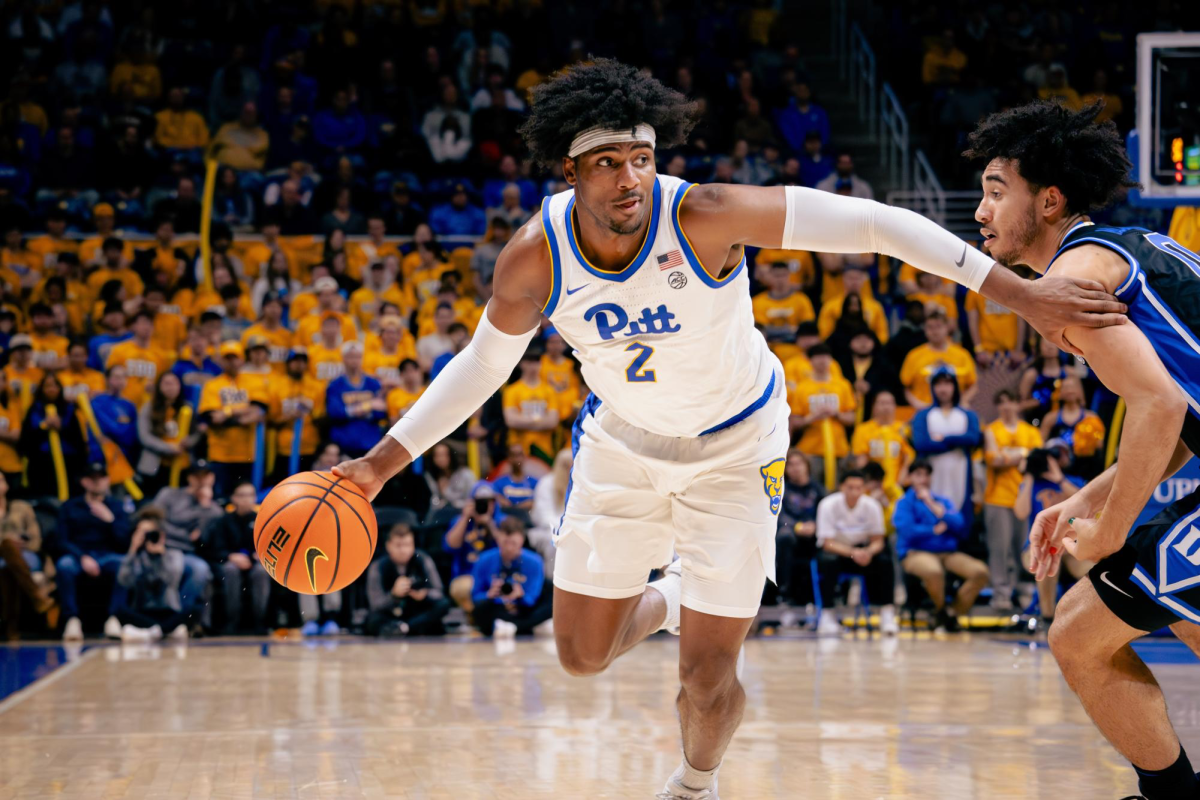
963	717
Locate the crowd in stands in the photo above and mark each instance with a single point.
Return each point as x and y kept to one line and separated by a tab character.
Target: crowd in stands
957	63
153	389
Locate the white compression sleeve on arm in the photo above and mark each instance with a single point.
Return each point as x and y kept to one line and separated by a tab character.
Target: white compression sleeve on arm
461	387
830	223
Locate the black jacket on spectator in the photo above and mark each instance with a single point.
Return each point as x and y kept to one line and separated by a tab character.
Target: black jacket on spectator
232	533
80	532
880	375
383	573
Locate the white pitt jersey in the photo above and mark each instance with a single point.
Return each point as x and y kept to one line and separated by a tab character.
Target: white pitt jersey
668	347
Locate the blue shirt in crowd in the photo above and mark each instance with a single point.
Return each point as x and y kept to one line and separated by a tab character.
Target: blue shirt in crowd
513	491
352	426
446	220
193	376
795	124
914	522
476	540
117	418
526	571
99	347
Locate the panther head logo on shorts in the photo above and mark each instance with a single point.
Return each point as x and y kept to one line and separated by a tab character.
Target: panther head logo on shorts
773	483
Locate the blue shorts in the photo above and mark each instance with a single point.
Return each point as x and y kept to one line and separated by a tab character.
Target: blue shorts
1154	580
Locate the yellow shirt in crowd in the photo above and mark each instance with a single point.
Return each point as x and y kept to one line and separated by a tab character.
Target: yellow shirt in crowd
1004	483
231	443
923	361
180	130
285	392
801	267
279	342
142	364
532	400
784	312
89	382
886	445
998	327
400	400
50	351
811	395
873	314
308	329
10	420
325	363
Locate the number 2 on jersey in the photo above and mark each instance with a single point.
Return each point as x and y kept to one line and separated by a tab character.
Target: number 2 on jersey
637	372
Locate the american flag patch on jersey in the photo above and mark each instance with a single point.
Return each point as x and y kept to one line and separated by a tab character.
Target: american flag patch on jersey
671	259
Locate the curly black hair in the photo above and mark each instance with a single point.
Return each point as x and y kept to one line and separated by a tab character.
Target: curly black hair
603	92
1054	146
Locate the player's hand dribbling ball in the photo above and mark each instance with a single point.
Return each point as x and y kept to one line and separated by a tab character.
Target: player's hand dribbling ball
315	533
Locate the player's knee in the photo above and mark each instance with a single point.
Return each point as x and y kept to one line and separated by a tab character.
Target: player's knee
1066	639
582	661
707	679
579	654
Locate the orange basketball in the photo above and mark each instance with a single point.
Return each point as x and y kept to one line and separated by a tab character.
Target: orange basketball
315	533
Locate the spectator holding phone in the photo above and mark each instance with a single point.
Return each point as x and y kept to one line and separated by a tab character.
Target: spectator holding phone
508	585
151	574
472	532
404	590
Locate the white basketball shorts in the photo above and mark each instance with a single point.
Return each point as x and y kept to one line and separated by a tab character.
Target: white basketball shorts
634	496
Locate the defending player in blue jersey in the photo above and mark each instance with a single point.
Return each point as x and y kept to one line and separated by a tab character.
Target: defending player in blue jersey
1046	168
681	443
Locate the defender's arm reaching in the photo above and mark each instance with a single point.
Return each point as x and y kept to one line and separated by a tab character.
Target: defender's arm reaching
808	219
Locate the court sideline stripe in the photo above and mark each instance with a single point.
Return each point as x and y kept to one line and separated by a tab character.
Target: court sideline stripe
25	692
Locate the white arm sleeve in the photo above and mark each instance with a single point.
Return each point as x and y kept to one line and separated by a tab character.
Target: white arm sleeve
461	387
830	223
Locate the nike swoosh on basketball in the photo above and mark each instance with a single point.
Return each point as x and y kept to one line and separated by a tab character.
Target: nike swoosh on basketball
962	259
310	558
577	288
1104	577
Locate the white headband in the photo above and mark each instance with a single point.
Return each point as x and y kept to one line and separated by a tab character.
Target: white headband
594	137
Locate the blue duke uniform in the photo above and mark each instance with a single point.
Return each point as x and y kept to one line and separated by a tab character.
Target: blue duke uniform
681	444
1162	290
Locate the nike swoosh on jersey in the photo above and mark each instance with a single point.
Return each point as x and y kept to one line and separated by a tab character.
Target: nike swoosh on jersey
1104	577
310	558
962	259
577	288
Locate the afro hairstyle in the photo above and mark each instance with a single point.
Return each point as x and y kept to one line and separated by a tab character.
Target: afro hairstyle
1052	145
603	92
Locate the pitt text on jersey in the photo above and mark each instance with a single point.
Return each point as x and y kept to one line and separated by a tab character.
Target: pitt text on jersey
611	318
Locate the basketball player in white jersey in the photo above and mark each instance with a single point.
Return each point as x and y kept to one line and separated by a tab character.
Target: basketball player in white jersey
681	445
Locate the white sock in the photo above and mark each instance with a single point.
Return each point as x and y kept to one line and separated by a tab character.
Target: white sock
695	779
671	588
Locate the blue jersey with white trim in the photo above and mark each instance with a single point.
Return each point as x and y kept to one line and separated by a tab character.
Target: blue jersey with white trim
1162	290
668	347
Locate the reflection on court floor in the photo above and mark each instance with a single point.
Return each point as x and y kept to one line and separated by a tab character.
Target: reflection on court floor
962	717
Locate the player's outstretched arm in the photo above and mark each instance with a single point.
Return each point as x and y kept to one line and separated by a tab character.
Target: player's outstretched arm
718	217
521	286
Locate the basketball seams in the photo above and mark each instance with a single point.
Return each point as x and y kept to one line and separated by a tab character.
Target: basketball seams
366	528
304	530
337	561
262	527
